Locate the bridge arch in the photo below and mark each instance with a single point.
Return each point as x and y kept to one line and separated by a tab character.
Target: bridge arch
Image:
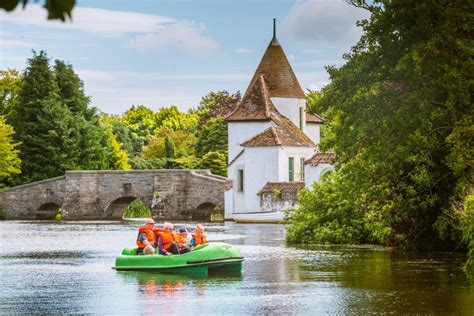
48	210
115	208
205	208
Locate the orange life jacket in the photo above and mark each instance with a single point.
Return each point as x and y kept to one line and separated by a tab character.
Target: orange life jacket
199	239
150	235
166	239
177	238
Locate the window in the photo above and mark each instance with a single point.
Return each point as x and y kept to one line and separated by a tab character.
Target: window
240	180
291	169
302	168
301	118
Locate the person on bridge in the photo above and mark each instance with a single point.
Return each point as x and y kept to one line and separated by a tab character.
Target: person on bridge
199	237
166	240
146	239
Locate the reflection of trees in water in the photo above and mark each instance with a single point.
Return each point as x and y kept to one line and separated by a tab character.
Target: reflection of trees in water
393	280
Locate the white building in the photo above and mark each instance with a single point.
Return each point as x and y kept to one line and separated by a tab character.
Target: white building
270	137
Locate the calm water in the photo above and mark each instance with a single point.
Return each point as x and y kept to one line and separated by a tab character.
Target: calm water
47	267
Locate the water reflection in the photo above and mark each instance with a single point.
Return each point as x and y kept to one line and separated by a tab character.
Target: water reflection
41	275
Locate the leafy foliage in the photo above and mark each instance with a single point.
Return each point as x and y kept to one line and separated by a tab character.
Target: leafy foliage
401	124
137	209
9	160
216	162
10	84
212	137
57	9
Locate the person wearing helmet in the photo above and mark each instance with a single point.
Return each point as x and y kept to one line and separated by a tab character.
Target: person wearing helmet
198	238
146	239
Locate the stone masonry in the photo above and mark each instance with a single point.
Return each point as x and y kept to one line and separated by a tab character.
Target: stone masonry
171	194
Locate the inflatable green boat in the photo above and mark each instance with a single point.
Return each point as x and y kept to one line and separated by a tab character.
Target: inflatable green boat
211	257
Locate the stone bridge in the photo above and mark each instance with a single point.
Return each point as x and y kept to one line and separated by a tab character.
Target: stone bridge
170	194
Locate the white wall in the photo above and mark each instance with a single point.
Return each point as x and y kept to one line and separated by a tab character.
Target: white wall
260	165
289	107
314	173
313	130
297	153
239	132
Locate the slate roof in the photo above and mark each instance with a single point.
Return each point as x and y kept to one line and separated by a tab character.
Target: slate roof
284	187
320	157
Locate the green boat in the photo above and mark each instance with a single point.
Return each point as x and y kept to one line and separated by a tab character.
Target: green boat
204	259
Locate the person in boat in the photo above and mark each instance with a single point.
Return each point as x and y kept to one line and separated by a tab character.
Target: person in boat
166	240
198	238
146	239
182	240
183	233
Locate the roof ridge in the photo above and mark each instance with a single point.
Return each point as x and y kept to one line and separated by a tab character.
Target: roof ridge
275	134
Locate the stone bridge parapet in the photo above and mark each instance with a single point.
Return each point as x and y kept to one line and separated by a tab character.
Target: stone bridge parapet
171	194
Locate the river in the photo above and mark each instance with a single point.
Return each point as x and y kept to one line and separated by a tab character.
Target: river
55	268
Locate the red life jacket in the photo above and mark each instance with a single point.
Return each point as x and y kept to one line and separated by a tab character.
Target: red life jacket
166	239
199	239
150	236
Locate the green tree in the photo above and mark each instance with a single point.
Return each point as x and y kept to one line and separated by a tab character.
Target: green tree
172	118
57	9
215	161
9	160
212	137
169	147
216	104
401	124
10	84
140	121
184	144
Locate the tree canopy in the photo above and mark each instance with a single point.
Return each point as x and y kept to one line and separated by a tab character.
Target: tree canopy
401	123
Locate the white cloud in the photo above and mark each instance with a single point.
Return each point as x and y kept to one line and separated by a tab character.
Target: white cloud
242	50
97	21
15	43
324	22
150	32
185	35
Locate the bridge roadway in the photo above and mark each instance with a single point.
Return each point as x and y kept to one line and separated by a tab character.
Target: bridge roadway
91	195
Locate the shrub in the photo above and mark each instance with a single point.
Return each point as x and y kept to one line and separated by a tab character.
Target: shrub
3	215
137	209
326	214
468	232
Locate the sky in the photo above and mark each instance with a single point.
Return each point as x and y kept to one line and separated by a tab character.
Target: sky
173	52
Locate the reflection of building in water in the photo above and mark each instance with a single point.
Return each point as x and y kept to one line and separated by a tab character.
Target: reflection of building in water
271	134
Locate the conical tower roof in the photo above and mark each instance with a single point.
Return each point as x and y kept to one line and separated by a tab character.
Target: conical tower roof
275	67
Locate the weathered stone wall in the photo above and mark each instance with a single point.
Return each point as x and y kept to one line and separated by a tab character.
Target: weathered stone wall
271	203
171	194
24	201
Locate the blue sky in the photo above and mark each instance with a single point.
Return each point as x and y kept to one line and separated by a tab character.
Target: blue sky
160	53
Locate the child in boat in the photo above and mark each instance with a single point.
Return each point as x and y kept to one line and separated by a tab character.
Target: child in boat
198	238
182	240
183	233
